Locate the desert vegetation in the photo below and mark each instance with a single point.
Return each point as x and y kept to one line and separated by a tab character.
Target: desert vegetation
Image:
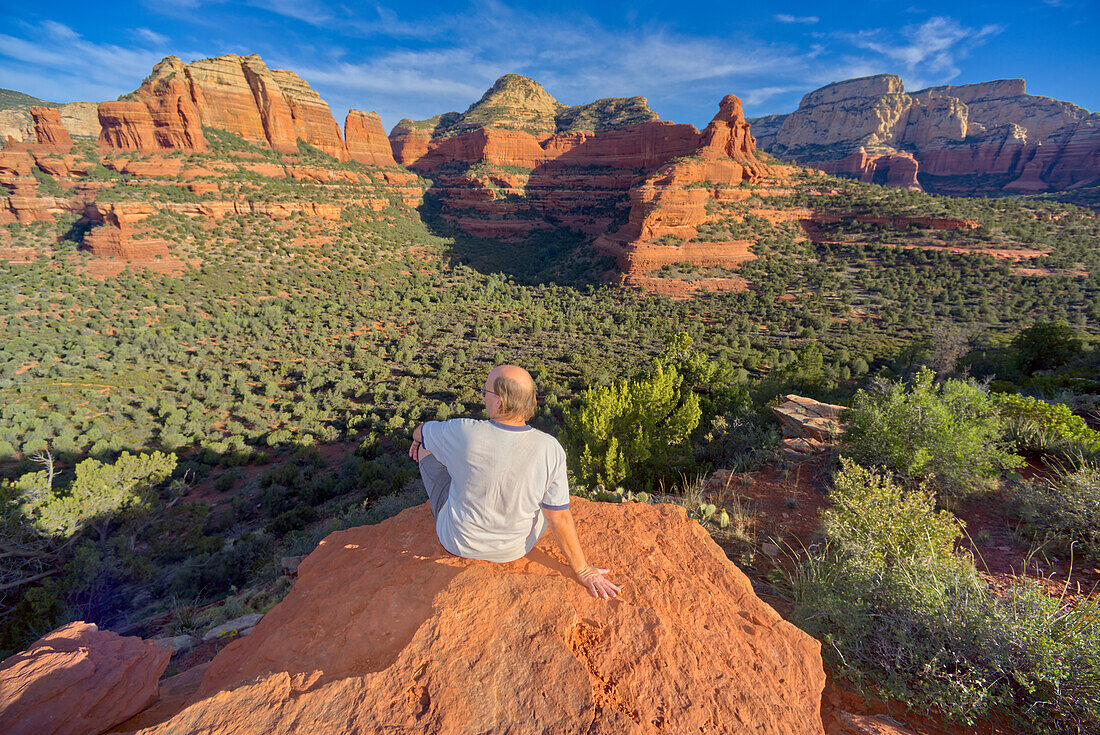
166	438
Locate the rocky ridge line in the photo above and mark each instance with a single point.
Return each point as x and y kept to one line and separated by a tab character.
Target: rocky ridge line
980	138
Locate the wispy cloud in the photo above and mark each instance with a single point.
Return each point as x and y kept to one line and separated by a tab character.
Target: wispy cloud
408	61
307	11
43	63
760	95
576	57
808	19
151	37
927	52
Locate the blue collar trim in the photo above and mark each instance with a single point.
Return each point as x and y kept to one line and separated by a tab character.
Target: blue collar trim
506	427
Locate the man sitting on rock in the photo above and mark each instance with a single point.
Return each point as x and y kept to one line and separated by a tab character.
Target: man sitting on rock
494	486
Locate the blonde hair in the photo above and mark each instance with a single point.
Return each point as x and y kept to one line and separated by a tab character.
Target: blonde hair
517	400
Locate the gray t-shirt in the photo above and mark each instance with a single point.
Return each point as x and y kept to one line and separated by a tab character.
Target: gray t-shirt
501	476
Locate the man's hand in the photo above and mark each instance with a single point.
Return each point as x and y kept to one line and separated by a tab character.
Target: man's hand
597	585
417	451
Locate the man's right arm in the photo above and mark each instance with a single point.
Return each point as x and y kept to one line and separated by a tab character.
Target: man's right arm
417	450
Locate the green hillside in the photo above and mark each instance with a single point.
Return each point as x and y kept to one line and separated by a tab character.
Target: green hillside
10	99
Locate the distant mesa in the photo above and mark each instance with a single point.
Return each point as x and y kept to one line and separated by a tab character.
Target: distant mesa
969	139
516	102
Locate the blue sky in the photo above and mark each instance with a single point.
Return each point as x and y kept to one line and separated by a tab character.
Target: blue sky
419	59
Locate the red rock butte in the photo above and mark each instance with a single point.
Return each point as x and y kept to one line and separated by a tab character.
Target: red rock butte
238	94
582	168
385	631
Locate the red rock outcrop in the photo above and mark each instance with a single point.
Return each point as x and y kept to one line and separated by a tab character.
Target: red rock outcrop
78	680
20	199
127	125
238	94
643	146
672	202
80	120
896	169
967	139
366	139
728	135
176	121
115	237
582	177
48	129
385	630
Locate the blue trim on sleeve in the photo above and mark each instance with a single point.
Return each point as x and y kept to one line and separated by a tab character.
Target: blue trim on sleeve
424	434
544	506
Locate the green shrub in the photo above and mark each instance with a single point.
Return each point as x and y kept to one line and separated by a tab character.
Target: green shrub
292	520
1046	346
47	185
948	434
1063	512
631	429
96	495
899	610
1048	652
1050	428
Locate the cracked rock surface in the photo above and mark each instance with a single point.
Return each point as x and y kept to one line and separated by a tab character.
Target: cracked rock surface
385	631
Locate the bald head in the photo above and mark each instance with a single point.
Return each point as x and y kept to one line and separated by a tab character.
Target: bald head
514	392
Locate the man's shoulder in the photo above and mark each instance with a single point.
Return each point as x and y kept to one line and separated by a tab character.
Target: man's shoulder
450	430
548	440
457	424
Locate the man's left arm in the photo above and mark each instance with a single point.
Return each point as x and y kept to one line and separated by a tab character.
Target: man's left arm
565	532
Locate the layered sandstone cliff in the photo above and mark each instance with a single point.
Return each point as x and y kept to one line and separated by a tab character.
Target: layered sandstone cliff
965	139
48	129
609	170
238	94
80	120
366	139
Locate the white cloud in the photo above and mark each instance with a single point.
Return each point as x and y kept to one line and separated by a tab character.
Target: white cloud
41	66
808	19
151	37
59	31
760	95
928	51
307	11
576	58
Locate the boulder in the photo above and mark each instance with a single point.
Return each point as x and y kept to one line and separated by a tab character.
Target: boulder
386	631
805	418
176	643
237	626
79	680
